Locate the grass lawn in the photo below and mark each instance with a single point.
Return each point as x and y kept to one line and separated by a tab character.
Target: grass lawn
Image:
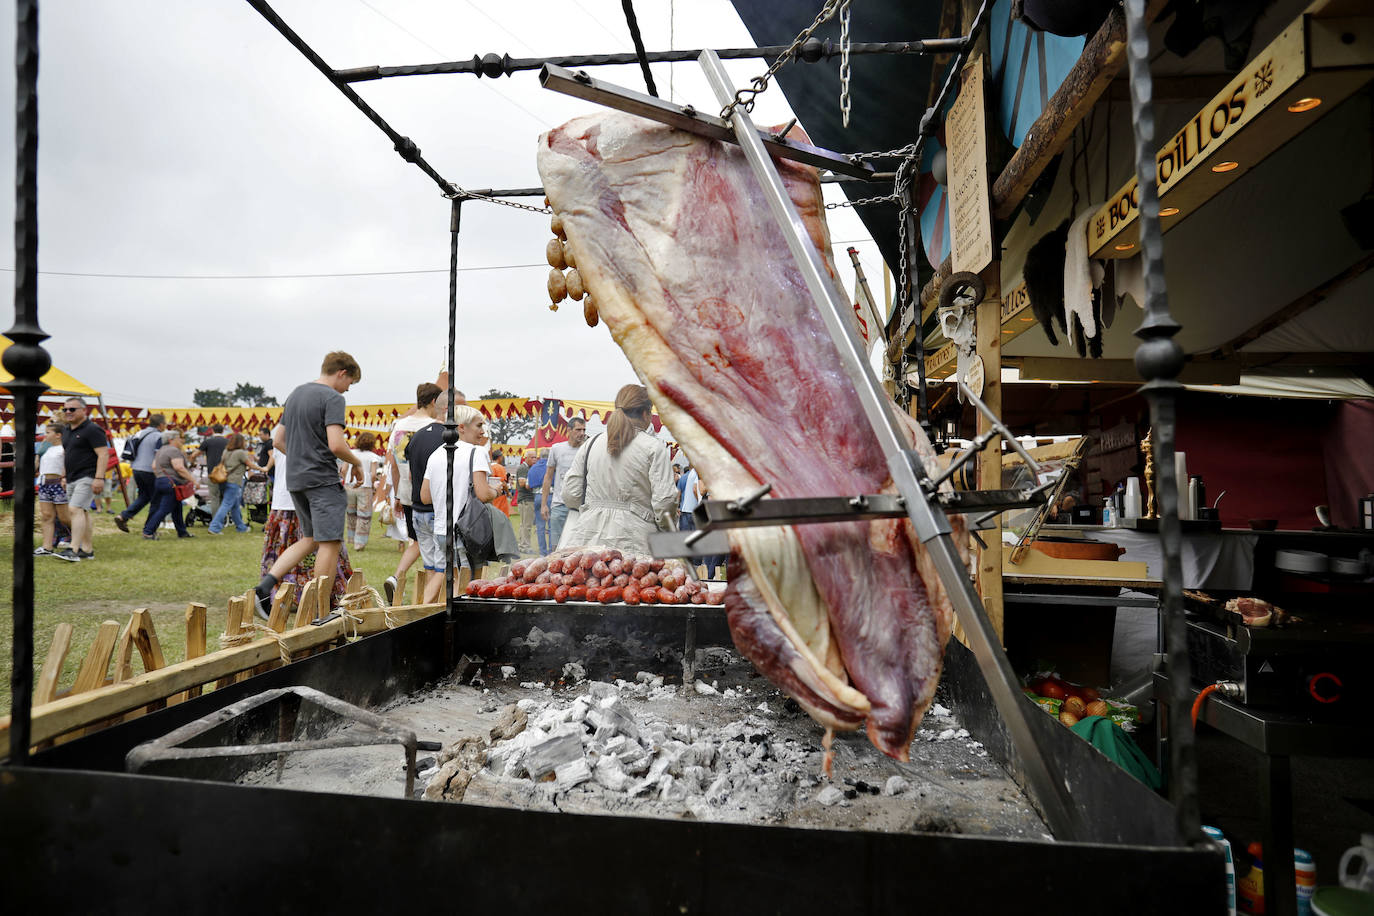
129	573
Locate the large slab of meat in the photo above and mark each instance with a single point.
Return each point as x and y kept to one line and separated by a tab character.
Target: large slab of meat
672	236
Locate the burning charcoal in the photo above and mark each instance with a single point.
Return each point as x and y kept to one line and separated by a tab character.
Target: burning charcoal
851	794
512	722
546	755
830	795
571	774
895	785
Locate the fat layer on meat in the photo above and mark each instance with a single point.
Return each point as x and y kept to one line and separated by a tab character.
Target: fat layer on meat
695	282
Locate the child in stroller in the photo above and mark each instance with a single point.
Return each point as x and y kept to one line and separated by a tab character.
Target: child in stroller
197	507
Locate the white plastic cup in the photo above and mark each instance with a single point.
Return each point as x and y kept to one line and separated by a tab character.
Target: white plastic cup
1181	480
1132	507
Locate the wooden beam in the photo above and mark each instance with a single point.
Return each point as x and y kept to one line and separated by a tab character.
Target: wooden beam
124	653
75	711
989	341
233	627
309	601
145	637
97	661
61	644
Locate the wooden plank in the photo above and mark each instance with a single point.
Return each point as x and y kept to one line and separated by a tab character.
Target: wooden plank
374	619
97	661
233	627
145	637
283	603
61	644
76	711
124	651
195	643
356	583
989	341
309	601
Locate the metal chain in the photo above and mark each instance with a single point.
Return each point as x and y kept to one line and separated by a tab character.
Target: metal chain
903	180
891	198
745	97
905	152
844	62
473	195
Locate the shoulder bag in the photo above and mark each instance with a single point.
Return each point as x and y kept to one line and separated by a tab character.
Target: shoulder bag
219	473
474	524
184	489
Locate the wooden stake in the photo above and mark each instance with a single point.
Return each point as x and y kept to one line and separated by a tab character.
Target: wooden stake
195	642
97	662
233	627
46	691
356	583
305	610
124	652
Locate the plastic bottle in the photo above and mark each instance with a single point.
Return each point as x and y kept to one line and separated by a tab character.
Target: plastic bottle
1250	889
1305	877
1108	517
1194	491
1216	836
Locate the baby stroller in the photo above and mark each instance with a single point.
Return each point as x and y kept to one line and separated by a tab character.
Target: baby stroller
257	497
197	507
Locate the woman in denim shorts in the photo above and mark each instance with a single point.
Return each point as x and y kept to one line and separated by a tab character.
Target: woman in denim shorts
52	494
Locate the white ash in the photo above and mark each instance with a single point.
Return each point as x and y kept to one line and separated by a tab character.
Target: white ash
507	672
831	795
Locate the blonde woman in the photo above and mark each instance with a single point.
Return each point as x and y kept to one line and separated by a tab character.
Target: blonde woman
622	480
52	495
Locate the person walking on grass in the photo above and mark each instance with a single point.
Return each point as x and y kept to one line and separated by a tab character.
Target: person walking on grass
399	473
551	506
311	435
52	495
145	446
85	454
362	484
212	450
237	460
170	468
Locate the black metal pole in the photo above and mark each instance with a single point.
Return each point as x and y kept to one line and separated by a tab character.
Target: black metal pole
913	279
27	361
451	428
1159	359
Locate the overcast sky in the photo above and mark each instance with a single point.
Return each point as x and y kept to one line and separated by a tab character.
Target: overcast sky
185	140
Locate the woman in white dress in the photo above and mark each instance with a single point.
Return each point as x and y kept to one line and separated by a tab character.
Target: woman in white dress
622	480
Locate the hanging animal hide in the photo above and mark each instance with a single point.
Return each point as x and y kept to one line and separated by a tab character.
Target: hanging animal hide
1044	276
1083	289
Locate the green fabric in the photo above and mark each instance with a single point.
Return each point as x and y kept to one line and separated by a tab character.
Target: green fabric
1105	735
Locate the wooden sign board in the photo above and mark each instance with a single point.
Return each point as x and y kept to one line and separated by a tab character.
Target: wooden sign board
970	216
1256	113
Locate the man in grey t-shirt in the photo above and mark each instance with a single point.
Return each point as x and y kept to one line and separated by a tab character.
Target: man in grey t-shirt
146	444
311	435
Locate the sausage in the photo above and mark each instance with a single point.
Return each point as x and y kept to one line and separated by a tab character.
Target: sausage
656	565
648	580
610	594
579	576
715	597
517	568
600	569
616	566
577	593
560	594
543	577
630	593
558	287
505	591
568	255
553	253
575	287
621	580
473	587
682	594
640	569
592	582
555	564
670	581
666	597
537	566
588	560
520	591
589	311
556	226
698	597
648	595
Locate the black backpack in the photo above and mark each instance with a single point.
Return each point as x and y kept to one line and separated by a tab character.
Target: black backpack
131	445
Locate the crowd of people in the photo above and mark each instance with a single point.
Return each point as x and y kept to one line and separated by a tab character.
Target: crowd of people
613	489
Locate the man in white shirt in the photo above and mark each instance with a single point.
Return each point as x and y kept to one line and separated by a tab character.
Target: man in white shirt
560	461
466	454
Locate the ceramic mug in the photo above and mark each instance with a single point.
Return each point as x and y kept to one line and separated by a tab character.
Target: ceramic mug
1361	877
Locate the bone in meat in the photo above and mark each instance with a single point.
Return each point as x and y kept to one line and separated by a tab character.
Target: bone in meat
673	237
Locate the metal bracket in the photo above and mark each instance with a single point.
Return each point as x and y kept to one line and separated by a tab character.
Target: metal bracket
583	85
288	700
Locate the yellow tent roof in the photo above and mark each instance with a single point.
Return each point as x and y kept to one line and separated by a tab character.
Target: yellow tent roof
56	380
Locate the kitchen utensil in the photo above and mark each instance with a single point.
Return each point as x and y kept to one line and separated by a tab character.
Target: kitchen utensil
1077	550
1302	561
1323	515
1263	524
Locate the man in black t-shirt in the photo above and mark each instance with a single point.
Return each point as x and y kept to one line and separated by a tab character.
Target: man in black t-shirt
212	447
422	444
86	451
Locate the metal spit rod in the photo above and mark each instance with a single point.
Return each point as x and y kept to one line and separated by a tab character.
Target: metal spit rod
931	525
